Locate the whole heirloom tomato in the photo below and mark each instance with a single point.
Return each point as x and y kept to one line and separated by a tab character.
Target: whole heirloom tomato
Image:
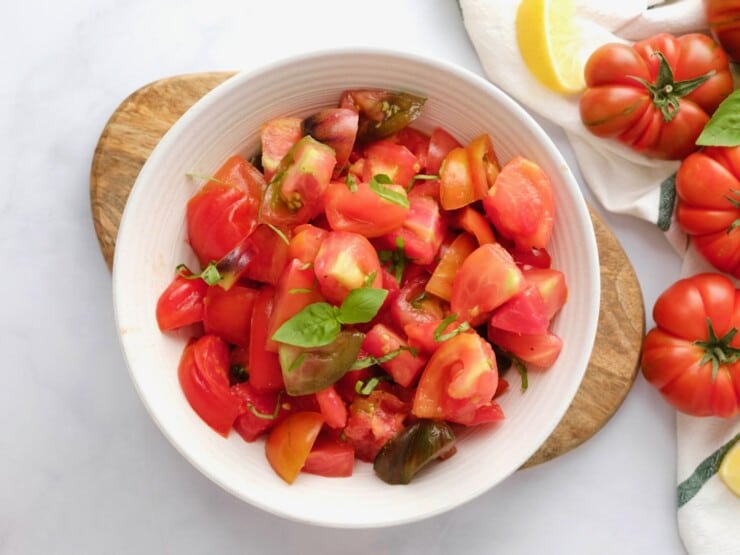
708	207
692	354
723	17
656	95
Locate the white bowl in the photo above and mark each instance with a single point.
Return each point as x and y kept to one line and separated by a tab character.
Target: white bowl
152	241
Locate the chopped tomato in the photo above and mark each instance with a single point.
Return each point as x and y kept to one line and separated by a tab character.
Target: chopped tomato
331	458
264	367
391	159
456	180
346	261
440	145
475	223
458	382
360	209
487	278
305	242
290	442
524	313
181	304
373	420
520	204
296	290
336	128
422	232
224	211
440	283
332	407
551	285
228	314
278	136
260	411
269	254
416	141
484	166
203	373
413	306
406	366
541	350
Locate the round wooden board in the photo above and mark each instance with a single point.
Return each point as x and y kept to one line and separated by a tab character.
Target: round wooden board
141	120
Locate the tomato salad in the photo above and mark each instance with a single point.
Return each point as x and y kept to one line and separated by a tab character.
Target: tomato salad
363	288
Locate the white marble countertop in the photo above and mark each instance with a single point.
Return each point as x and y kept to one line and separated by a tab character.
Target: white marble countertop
83	469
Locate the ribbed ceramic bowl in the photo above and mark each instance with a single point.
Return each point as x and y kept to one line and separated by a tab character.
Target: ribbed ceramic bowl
152	241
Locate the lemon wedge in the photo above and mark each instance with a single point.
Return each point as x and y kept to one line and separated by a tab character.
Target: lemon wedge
729	470
550	44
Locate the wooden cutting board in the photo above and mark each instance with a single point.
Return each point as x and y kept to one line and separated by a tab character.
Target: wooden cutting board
141	120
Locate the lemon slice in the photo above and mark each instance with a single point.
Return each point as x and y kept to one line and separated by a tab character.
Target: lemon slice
729	470
549	42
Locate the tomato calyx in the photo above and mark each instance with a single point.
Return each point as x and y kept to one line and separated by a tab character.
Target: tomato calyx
665	92
718	349
736	203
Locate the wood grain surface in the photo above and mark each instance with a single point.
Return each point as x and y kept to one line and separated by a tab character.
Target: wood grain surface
141	120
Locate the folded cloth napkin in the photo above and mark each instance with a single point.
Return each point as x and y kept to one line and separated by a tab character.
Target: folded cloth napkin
624	182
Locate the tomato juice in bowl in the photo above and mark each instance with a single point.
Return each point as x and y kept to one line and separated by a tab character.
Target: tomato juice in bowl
152	242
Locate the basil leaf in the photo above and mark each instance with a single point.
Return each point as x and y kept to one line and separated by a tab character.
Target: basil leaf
723	129
361	305
439	331
351	183
314	326
378	186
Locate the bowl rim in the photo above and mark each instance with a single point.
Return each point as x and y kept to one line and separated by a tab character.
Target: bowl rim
237	80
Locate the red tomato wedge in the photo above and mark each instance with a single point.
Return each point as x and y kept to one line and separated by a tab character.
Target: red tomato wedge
440	145
290	442
520	204
336	128
551	285
181	304
487	278
541	350
278	136
440	283
346	261
265	373
359	209
405	367
459	381
330	458
228	314
203	373
391	159
525	313
332	407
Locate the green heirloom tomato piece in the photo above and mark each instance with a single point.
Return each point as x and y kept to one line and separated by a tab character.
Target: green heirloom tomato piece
382	113
412	449
308	370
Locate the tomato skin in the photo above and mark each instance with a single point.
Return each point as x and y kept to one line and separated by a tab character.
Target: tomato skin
520	204
487	278
289	443
265	373
224	211
203	373
228	314
363	211
344	262
723	17
181	303
671	359
706	186
460	378
615	104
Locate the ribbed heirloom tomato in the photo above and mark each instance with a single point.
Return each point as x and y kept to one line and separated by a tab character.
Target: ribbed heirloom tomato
708	207
656	95
692	355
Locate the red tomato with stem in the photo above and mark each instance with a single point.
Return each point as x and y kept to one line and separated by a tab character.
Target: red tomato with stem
708	206
656	95
290	442
224	211
181	303
692	356
203	374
